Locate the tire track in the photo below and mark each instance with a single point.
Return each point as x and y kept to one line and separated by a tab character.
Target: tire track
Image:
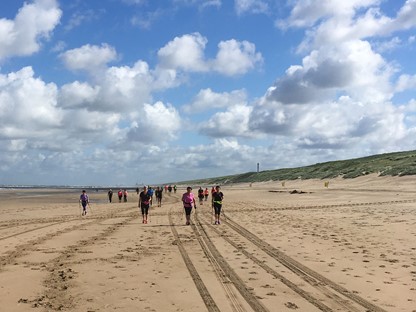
221	274
61	276
305	207
26	248
199	283
227	269
304	294
35	229
312	277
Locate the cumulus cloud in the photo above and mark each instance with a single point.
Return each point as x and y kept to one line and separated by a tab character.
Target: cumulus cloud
231	123
207	99
344	87
35	21
236	58
119	89
186	53
78	94
306	13
351	67
156	123
27	106
89	58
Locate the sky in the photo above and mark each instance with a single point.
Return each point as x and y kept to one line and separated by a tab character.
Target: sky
126	92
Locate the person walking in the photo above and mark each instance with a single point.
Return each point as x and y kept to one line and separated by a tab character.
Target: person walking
125	195
188	200
144	203
84	200
120	195
110	195
217	198
206	194
200	195
159	193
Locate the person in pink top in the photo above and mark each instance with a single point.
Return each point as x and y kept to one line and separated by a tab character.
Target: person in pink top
188	200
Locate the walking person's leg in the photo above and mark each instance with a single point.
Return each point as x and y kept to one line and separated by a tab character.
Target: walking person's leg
142	208
188	215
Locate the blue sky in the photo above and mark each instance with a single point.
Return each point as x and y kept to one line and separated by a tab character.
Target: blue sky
119	92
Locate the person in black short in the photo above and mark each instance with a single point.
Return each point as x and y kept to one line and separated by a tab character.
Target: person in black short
159	194
200	195
217	197
188	200
144	203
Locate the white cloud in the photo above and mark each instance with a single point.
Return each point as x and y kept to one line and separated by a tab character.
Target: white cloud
78	94
350	67
406	82
27	106
232	123
236	58
156	123
89	58
306	13
80	17
35	21
186	53
387	46
251	6
206	100
344	86
147	19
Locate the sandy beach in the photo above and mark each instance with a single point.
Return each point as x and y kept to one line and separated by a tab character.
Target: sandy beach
350	246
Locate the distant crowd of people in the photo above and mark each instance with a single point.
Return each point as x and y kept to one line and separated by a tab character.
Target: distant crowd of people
145	200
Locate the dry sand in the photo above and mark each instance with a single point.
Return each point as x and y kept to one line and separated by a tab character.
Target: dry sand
348	247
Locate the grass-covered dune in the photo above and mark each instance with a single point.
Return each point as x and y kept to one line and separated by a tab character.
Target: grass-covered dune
389	164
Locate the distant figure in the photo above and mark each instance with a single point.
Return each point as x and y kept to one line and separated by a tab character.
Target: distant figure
174	188
170	188
120	195
151	192
137	190
206	194
200	195
166	188
217	197
84	200
144	203
159	193
110	195
212	190
125	194
188	200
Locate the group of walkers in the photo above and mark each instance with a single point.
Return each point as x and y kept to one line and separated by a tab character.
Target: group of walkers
188	200
122	194
146	199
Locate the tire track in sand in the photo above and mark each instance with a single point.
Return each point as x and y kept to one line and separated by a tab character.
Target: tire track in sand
309	275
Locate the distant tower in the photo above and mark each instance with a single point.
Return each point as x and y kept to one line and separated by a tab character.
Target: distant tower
258	167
